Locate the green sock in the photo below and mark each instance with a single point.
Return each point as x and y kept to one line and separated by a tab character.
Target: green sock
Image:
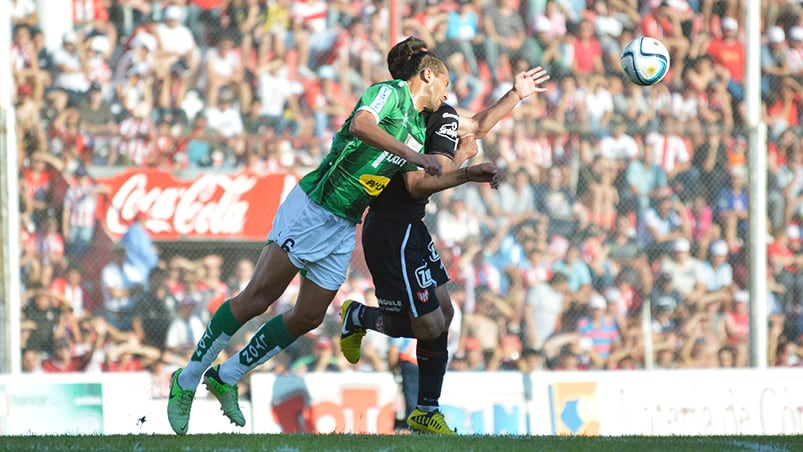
220	329
268	341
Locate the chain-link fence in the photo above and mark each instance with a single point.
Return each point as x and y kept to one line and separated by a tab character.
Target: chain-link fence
157	139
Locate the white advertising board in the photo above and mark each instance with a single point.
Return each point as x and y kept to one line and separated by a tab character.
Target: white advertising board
690	402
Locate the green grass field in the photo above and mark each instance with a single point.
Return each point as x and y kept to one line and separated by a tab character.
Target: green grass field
397	443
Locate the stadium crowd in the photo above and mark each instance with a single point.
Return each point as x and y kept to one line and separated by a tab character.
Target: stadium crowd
624	210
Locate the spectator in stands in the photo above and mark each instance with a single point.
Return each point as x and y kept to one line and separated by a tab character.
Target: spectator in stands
556	202
665	23
154	310
50	243
279	96
42	321
243	271
183	333
462	35
224	68
176	43
141	253
63	359
320	359
587	52
505	39
737	326
732	208
78	213
544	304
71	291
687	273
717	272
70	81
120	282
729	53
600	327
25	63
213	282
225	121
31	361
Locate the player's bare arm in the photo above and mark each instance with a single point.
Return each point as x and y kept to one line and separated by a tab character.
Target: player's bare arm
363	126
421	185
525	85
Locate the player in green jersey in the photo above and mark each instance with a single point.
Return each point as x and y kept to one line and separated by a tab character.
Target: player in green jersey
313	234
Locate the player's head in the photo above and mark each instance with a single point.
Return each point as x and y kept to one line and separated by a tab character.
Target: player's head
400	55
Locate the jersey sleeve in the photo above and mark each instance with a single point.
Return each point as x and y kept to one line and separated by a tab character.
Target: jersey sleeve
380	99
441	135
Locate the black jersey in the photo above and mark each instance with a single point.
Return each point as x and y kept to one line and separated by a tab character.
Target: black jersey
395	202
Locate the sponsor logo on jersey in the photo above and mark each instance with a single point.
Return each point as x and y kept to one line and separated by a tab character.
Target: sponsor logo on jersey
413	144
433	253
424	276
373	184
450	115
448	131
381	98
422	295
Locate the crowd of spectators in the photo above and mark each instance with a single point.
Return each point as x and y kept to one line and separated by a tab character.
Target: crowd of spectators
621	227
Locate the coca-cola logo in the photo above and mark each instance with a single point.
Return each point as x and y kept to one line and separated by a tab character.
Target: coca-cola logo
211	204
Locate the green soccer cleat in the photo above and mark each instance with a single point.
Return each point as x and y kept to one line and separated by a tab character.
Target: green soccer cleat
225	394
178	405
350	336
429	422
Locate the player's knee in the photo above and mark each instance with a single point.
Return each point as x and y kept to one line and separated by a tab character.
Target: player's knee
429	327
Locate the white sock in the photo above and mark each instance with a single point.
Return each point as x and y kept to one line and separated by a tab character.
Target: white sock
355	317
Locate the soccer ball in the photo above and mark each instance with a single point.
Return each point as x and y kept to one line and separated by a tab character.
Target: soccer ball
645	61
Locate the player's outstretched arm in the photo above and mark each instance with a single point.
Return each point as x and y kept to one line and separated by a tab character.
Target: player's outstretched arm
421	185
363	126
525	84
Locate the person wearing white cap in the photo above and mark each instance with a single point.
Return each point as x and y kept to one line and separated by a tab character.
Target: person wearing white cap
729	52
774	60
142	51
717	272
176	42
796	49
70	76
685	270
737	324
599	326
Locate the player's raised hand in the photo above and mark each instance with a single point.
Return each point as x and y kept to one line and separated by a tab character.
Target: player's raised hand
529	82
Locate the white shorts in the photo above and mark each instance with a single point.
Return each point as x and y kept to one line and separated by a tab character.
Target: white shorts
318	242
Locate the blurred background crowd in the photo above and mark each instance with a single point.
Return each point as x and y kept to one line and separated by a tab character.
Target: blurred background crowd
621	226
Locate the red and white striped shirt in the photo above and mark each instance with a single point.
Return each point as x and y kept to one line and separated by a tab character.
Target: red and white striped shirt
137	145
49	244
82	203
668	150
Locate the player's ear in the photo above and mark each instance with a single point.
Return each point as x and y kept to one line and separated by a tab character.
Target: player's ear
426	75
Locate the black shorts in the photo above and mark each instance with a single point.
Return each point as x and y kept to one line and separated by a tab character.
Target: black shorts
404	264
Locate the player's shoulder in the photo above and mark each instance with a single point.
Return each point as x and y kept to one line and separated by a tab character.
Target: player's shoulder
446	113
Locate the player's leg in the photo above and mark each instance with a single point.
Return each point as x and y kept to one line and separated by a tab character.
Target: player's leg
270	339
319	243
272	274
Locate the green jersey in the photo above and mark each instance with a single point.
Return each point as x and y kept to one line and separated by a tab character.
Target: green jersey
353	174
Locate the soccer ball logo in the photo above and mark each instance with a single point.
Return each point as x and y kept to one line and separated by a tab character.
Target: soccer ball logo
645	61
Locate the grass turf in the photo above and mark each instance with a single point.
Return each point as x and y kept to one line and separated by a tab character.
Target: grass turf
398	443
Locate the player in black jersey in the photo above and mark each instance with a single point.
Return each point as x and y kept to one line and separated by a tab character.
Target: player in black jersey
409	277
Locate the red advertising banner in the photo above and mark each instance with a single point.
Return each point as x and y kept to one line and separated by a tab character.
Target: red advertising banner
216	206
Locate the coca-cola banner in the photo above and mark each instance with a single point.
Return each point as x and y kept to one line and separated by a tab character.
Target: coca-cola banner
215	206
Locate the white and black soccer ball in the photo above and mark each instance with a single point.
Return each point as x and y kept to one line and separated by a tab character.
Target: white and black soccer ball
645	61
